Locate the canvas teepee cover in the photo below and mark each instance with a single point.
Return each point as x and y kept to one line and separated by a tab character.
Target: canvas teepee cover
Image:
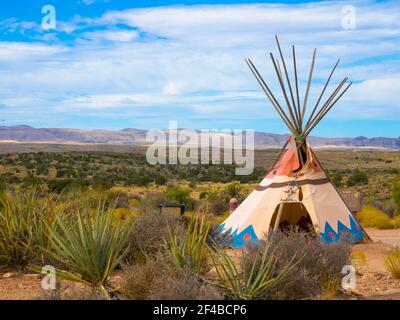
307	196
296	191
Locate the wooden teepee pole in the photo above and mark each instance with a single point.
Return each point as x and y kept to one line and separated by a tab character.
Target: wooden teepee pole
297	86
311	121
288	82
270	96
326	108
322	92
308	85
284	94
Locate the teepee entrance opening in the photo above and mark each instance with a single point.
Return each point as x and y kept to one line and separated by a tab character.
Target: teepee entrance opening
291	214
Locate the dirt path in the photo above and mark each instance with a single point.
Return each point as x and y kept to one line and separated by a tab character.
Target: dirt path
14	286
373	280
391	236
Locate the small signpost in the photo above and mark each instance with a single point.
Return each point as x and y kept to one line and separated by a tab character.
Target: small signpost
180	206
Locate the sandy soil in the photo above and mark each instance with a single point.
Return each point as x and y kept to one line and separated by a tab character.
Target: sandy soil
373	281
391	236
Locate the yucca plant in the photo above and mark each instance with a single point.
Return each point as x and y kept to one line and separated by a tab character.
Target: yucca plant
190	250
249	281
392	263
22	226
90	249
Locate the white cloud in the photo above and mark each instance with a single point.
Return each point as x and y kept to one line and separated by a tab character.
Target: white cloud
112	35
191	57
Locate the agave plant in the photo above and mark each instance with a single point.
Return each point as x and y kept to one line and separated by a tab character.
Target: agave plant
91	248
22	226
249	281
190	250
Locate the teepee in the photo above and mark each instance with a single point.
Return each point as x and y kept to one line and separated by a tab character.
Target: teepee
296	190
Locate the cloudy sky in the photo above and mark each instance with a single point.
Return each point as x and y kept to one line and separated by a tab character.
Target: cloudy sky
114	64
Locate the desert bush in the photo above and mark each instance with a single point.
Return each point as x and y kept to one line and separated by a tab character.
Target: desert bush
396	194
234	190
152	200
392	263
357	178
337	179
373	217
58	185
139	277
91	248
179	195
190	249
22	226
155	278
149	231
216	201
318	272
396	221
182	284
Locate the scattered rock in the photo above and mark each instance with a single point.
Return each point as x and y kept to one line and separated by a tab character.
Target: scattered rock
8	275
32	276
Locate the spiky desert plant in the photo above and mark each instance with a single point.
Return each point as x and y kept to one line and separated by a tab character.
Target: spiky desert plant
91	248
22	226
392	263
190	250
249	281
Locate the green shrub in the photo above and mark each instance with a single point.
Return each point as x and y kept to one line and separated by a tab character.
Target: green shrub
357	178
179	195
58	185
396	194
234	190
373	217
392	263
337	179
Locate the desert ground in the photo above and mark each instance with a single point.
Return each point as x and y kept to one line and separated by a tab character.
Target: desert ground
373	280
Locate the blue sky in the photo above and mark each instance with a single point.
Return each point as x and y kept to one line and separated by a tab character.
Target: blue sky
114	64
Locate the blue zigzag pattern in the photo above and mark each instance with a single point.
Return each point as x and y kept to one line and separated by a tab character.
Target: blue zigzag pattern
239	240
234	239
353	235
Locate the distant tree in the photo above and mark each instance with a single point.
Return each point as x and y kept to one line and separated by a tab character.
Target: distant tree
357	178
102	183
233	190
160	180
58	185
179	195
337	179
396	194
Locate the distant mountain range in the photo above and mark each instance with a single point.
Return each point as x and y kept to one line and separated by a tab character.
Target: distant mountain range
24	133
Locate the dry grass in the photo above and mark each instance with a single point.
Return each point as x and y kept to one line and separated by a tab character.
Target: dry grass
392	263
156	278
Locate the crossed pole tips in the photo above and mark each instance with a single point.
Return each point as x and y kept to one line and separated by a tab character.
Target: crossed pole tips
294	113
